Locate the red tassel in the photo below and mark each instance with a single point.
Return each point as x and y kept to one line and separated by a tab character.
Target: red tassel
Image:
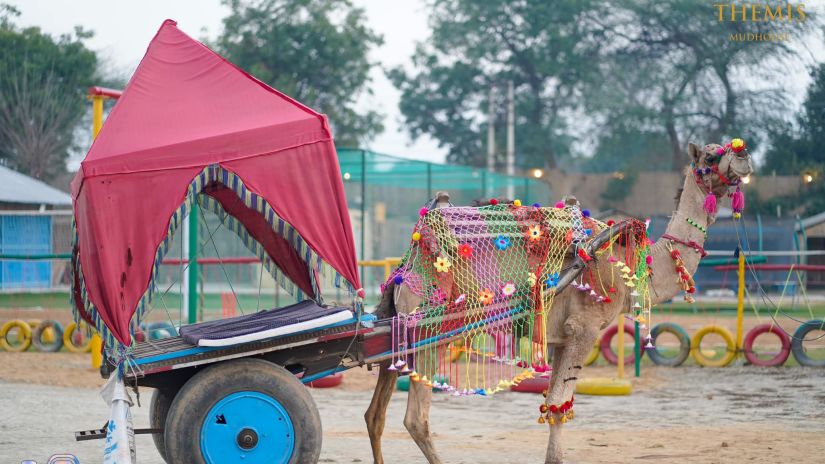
584	256
737	202
710	203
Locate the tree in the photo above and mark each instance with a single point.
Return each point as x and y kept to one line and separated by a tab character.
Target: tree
43	81
599	75
685	69
478	44
302	49
797	149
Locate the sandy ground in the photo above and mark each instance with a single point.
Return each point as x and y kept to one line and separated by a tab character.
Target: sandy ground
682	415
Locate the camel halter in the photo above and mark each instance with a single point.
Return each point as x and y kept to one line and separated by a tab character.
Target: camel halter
734	148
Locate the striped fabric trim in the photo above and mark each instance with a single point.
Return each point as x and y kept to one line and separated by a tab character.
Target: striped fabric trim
216	173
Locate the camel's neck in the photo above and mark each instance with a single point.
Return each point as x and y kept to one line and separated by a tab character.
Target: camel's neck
665	284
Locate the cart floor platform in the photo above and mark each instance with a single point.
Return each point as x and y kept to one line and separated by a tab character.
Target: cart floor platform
154	356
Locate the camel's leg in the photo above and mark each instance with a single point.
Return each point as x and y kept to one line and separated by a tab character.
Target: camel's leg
567	364
417	419
377	412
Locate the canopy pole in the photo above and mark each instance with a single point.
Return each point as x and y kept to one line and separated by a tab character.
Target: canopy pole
97	124
192	288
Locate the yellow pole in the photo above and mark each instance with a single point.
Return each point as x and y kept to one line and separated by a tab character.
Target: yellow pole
97	124
620	337
97	114
740	302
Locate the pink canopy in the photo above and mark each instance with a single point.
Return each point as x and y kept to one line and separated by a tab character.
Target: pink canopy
191	127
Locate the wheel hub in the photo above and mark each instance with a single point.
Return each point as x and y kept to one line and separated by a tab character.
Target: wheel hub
247	439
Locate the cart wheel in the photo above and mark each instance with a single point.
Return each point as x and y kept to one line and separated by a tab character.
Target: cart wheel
246	410
158	410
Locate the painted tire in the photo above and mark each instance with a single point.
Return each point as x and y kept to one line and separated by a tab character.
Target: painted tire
778	359
158	410
159	330
701	359
593	355
24	336
603	387
327	382
75	340
799	350
245	410
40	337
534	385
684	345
607	350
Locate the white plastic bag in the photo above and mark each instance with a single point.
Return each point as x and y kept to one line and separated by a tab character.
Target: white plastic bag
120	434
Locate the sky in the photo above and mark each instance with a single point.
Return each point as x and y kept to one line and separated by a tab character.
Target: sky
123	30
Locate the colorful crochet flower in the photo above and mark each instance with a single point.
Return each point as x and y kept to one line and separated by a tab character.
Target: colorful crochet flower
465	251
534	232
442	264
552	280
485	296
508	289
502	242
532	279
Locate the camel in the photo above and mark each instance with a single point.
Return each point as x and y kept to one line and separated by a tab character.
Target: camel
575	321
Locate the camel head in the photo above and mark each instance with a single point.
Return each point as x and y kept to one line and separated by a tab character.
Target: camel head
719	168
718	171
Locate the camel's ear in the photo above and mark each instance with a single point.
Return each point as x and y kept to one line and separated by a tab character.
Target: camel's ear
694	152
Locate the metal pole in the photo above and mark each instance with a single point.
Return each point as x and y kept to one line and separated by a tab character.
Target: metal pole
192	289
97	124
363	211
97	115
511	139
740	302
637	360
491	131
430	180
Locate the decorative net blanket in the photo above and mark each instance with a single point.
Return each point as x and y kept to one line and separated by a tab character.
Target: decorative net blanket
486	278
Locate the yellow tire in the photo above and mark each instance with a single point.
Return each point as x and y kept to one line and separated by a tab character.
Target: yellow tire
701	356
24	336
594	354
601	386
456	348
72	331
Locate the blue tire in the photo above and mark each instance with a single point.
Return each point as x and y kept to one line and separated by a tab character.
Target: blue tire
684	345
797	347
245	410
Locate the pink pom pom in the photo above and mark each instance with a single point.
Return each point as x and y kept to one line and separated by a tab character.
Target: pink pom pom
720	151
737	202
710	203
361	293
560	204
422	211
649	260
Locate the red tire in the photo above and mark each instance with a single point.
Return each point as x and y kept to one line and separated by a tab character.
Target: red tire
779	358
534	385
608	352
327	382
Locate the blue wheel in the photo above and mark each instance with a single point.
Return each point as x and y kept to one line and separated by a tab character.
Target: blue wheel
248	426
247	411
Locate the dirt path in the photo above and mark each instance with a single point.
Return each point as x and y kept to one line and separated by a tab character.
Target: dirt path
683	415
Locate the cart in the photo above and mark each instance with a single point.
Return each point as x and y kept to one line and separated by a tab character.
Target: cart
193	131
